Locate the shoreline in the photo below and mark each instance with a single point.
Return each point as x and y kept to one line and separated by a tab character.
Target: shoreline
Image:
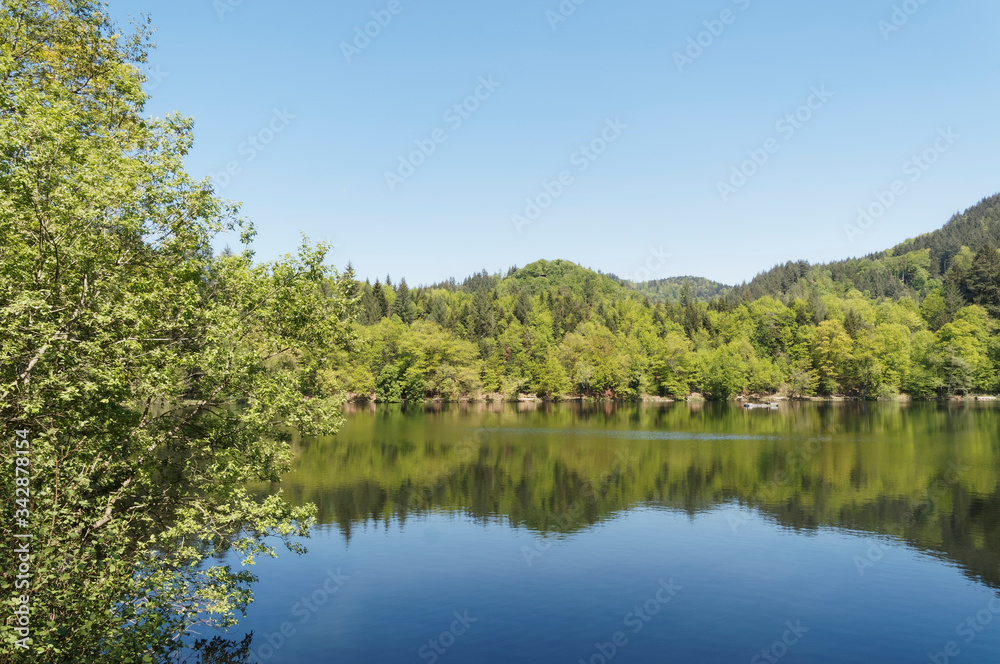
691	398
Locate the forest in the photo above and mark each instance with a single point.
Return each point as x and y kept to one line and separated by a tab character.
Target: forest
919	320
147	380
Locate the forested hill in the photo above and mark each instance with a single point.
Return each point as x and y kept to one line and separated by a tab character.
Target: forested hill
545	277
920	319
975	227
672	289
943	260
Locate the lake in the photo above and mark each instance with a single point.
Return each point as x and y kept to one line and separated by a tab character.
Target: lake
602	533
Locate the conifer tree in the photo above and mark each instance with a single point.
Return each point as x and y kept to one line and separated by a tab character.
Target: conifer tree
382	304
403	305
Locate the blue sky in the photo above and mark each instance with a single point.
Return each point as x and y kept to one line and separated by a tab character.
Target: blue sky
606	125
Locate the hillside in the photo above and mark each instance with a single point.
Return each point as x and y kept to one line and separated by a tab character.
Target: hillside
937	261
564	276
672	289
919	319
973	228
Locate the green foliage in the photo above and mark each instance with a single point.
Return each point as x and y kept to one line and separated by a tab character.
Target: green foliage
671	289
388	387
541	276
402	306
934	310
672	365
980	282
149	373
550	379
724	374
891	323
963	346
362	383
832	351
959	260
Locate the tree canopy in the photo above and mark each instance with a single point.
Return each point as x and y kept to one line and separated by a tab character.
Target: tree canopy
147	373
920	319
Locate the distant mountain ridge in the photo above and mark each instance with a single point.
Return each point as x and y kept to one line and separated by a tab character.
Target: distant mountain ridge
973	228
905	269
671	289
932	261
920	319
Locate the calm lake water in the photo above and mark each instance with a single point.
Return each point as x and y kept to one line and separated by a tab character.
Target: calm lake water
643	533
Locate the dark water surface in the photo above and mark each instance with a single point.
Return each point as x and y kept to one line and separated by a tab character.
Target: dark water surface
643	533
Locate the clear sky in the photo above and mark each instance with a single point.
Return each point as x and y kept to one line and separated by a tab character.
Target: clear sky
663	121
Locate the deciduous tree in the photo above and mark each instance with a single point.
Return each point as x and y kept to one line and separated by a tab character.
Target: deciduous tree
148	374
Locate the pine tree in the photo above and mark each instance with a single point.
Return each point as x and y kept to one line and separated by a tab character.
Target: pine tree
522	307
382	304
981	284
370	312
403	306
484	317
350	289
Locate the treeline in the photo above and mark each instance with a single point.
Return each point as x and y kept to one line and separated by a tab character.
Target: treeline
943	260
671	289
877	327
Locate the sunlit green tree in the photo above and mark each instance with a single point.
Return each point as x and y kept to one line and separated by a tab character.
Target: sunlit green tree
148	373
